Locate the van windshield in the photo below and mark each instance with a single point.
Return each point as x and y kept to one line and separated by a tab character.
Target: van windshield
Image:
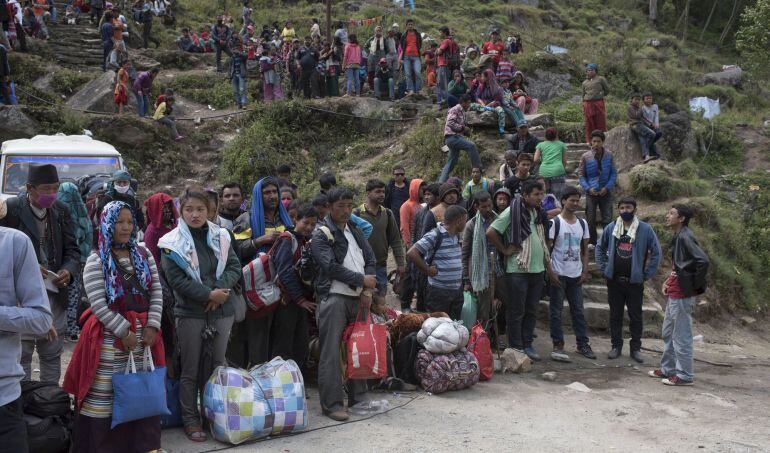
69	168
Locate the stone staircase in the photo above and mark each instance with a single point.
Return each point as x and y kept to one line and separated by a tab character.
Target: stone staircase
76	46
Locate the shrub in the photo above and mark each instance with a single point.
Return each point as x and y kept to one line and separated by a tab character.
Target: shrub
654	182
67	81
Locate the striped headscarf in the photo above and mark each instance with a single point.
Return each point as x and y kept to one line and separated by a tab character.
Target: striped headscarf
113	286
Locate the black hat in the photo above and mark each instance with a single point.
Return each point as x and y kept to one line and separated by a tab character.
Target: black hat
42	174
445	189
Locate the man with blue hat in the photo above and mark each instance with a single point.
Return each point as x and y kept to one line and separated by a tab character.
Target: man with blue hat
522	141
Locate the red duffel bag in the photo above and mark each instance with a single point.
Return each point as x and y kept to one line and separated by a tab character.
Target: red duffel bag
366	348
479	346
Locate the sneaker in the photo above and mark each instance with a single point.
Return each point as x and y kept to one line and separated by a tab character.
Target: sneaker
532	354
558	355
657	374
586	352
614	353
637	356
676	381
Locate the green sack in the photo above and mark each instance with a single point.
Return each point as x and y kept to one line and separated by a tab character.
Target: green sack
470	309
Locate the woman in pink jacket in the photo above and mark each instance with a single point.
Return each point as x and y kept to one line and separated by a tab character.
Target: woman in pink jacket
351	61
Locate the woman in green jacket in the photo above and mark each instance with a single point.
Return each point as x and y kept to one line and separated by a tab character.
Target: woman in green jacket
201	267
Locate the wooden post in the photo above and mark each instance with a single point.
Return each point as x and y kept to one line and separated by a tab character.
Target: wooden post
329	20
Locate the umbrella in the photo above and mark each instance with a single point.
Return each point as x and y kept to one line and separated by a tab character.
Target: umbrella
206	362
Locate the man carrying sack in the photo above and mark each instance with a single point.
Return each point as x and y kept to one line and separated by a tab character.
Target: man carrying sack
345	278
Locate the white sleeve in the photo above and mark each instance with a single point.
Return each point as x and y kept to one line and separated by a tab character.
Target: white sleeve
586	234
551	229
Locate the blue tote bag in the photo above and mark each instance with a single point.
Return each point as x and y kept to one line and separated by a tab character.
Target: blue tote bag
138	395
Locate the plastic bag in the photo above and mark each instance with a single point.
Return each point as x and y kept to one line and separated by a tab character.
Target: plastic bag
479	346
366	349
138	395
709	107
470	309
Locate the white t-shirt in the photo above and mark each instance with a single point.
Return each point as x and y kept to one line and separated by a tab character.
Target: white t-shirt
565	259
354	261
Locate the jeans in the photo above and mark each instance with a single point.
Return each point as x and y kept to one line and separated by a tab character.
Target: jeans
457	143
106	49
308	81
514	113
142	104
188	331
170	124
219	49
378	89
239	90
382	279
629	295
647	139
351	78
48	352
333	315
450	301
524	290
443	77
605	207
146	30
413	72
498	110
13	428
556	185
574	293
677	339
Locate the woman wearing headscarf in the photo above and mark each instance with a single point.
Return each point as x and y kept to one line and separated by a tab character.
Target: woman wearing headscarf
84	236
162	217
489	97
201	268
126	303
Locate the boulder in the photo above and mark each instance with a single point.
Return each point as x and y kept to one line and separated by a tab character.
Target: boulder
678	141
515	362
489	119
128	132
545	85
624	144
731	77
14	123
96	95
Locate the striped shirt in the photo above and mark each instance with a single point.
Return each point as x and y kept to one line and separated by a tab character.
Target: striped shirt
447	259
115	323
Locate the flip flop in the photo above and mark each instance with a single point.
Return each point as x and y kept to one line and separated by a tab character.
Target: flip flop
195	433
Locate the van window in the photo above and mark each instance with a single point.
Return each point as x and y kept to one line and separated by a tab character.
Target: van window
69	168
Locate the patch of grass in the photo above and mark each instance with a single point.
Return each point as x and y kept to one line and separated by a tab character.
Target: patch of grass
655	182
209	89
724	151
67	82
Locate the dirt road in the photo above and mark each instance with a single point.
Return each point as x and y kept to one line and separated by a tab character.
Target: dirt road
624	411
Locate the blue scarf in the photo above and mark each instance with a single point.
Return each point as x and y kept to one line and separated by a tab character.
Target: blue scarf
113	287
258	211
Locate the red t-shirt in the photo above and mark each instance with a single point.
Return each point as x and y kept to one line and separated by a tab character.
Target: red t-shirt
411	45
447	46
674	290
494	49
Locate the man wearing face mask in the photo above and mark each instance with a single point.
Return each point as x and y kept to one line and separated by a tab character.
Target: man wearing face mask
628	255
46	221
119	189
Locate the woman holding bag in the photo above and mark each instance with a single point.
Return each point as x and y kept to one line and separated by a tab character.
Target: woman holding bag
126	301
201	267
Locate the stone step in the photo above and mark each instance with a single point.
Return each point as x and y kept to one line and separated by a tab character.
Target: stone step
583	146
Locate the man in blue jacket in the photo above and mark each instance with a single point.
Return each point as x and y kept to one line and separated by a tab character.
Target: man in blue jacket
597	177
628	255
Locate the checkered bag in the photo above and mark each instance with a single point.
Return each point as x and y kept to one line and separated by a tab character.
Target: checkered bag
236	407
284	390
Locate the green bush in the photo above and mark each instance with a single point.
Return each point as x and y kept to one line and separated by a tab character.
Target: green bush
66	81
724	151
214	90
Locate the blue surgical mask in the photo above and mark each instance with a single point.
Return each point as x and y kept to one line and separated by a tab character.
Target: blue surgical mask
627	216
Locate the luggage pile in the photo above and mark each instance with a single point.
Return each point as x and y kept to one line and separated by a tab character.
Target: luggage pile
267	400
435	356
48	416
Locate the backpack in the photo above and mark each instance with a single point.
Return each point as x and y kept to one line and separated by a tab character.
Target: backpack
44	399
453	56
405	355
436	246
48	434
261	286
556	223
306	267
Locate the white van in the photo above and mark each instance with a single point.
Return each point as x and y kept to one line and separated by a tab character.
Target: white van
73	155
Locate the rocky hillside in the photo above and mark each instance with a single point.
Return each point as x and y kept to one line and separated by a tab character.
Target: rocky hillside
719	166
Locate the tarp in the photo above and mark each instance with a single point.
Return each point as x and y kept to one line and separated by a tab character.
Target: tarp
709	107
554	49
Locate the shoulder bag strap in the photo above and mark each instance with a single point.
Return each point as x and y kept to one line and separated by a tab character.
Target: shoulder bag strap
130	278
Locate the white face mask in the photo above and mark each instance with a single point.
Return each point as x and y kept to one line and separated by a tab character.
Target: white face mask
122	189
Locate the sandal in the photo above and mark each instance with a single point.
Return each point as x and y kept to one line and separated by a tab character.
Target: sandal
195	433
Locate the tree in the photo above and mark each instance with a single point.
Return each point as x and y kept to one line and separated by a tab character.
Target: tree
753	37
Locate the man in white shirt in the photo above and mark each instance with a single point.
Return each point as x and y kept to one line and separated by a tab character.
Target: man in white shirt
345	268
568	238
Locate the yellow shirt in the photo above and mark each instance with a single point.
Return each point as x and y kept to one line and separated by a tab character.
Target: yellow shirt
160	111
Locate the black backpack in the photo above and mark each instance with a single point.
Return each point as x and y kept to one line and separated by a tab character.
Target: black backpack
404	358
45	399
48	435
556	224
306	267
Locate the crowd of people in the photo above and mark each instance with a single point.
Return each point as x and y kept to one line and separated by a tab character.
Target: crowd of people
111	282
